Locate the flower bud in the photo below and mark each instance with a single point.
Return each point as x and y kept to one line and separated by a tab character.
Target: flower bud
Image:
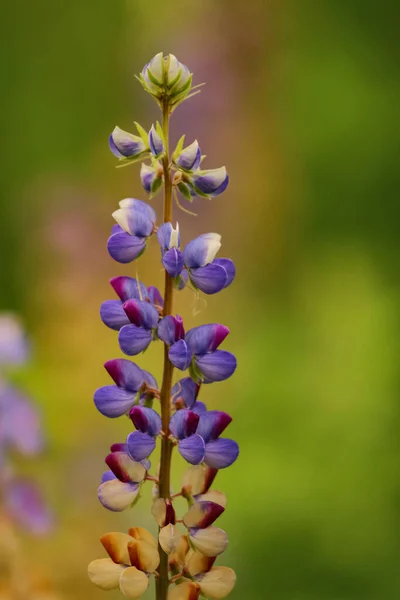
209	183
151	177
165	78
126	146
163	512
189	158
155	141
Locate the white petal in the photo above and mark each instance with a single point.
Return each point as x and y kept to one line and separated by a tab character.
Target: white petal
156	66
213	496
169	538
211	541
218	582
104	573
133	583
173	68
116	495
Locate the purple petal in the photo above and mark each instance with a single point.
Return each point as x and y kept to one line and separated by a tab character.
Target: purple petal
173	262
210	279
221	453
192	449
124	248
199	408
127	288
116	495
155	296
113	315
229	267
140	445
202	250
164	234
124	144
217	366
206	338
147	176
107	476
212	424
182	280
146	420
113	401
212	182
116	229
20	423
190	157
114	148
180	355
185	390
133	340
183	423
140	207
26	505
170	329
155	142
125	373
141	314
150	379
134	222
14	347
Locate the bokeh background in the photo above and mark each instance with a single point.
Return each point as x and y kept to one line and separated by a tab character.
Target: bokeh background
301	105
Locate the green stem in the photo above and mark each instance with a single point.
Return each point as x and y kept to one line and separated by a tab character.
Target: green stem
164	486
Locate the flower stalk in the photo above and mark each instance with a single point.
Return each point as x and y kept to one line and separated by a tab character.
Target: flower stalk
182	559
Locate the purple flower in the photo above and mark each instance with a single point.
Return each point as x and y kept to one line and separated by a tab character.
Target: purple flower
209	363
207	273
120	486
20	427
14	349
151	177
141	443
169	240
171	332
191	446
111	311
116	400
125	145
136	337
188	159
135	223
25	504
209	183
219	452
155	141
185	391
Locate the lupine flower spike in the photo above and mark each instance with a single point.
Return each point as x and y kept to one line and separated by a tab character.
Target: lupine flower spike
182	559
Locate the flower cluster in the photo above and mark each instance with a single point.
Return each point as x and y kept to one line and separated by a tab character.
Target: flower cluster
21	432
141	315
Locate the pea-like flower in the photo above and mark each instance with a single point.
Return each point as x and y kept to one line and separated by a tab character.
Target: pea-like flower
127	288
133	557
116	400
209	183
156	142
151	177
171	331
128	147
120	485
143	319
165	77
219	452
135	224
215	584
207	273
184	393
187	159
191	446
142	442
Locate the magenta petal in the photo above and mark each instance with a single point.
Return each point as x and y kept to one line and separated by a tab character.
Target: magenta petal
113	315
142	314
192	449
146	420
212	424
170	329
124	248
113	401
125	373
221	453
206	338
210	279
155	296
217	366
140	445
133	340
128	287
183	423
180	355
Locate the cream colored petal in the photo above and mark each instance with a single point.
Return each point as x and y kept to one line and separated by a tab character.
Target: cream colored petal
116	545
197	563
104	573
147	556
218	583
185	591
211	541
133	583
169	538
194	479
140	533
159	511
213	496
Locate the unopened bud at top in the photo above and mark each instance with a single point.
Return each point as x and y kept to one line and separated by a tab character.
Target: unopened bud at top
166	79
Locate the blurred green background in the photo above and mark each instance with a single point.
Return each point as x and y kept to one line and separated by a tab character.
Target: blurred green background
301	105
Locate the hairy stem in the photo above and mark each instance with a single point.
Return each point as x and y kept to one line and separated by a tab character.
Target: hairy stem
166	445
